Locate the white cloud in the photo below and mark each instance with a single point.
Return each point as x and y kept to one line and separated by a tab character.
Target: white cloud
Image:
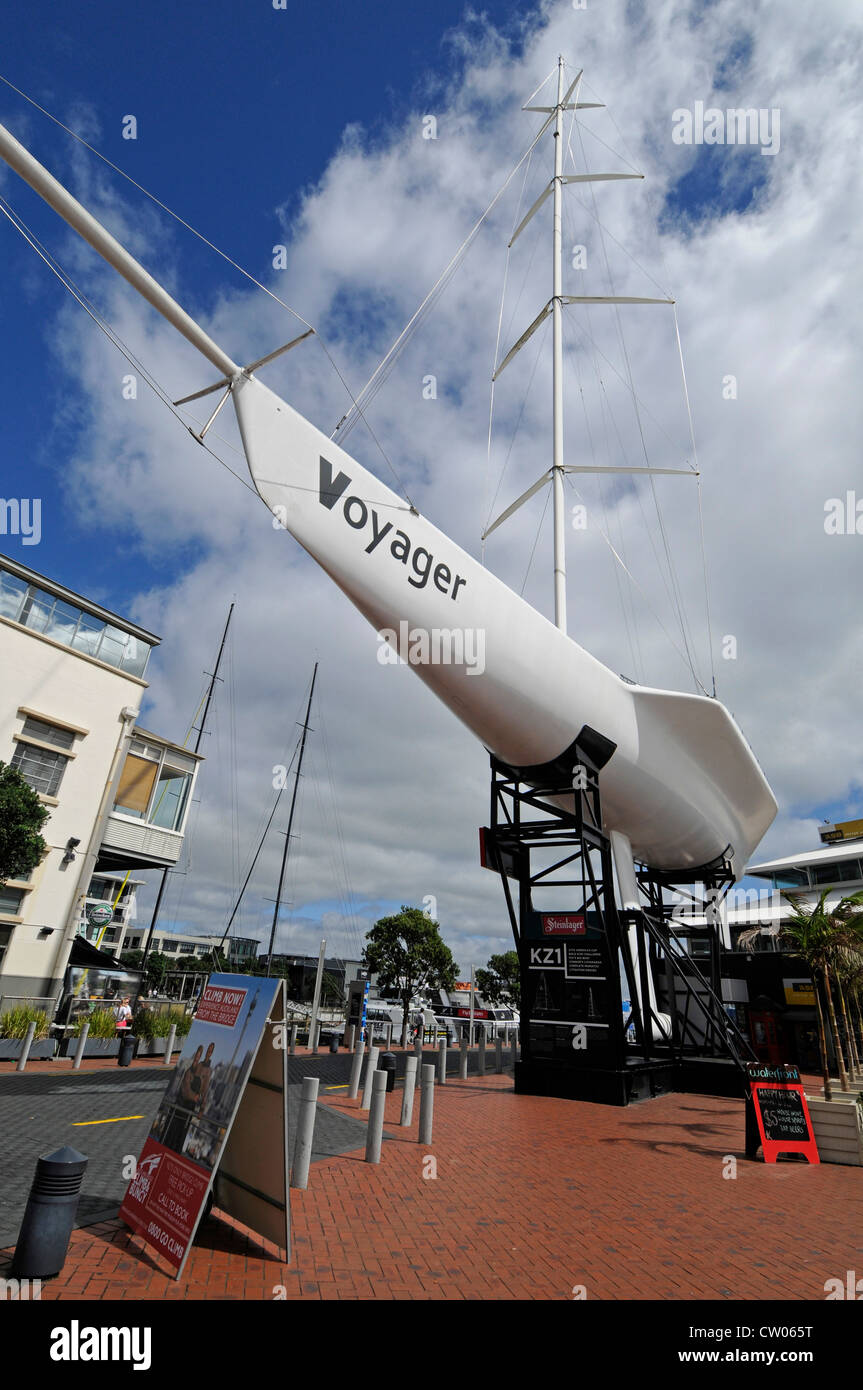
769	295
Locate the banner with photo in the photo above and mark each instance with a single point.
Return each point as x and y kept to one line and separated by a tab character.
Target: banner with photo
175	1172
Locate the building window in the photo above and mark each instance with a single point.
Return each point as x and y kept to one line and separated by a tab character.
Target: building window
64	622
5	936
43	770
840	871
154	785
10	901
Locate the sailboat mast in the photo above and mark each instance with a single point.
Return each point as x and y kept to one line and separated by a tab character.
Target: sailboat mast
557	369
290	823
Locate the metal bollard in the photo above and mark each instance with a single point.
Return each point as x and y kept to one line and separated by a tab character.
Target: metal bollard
25	1051
480	1061
356	1068
371	1068
352	1034
389	1046
50	1215
169	1045
408	1093
426	1105
462	1058
441	1062
82	1043
305	1133
418	1054
315	1038
375	1133
292	1043
498	1054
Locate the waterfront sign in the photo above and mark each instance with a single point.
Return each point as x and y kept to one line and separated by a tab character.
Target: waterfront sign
780	1111
222	1124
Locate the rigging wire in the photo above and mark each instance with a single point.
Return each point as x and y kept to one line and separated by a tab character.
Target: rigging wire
355	406
682	654
678	599
385	366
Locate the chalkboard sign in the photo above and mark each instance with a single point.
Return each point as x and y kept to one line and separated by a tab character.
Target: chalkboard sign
781	1114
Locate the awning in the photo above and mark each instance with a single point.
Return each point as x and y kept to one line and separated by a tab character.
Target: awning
85	954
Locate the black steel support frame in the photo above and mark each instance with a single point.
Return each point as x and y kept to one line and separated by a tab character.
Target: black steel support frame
512	836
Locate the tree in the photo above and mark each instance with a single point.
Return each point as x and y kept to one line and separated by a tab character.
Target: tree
406	953
22	816
501	982
827	942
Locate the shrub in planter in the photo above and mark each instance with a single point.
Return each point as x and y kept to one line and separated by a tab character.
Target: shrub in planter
102	1023
15	1022
143	1025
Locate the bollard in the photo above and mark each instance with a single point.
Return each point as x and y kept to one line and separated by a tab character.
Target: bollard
387	1063
376	1117
480	1061
169	1045
28	1043
371	1068
352	1034
462	1057
50	1215
334	1042
389	1046
82	1043
498	1054
408	1093
426	1105
314	1038
292	1044
127	1050
356	1068
514	1050
305	1133
418	1054
441	1062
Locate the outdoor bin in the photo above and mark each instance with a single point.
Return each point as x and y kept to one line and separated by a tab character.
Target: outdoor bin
334	1042
44	1236
127	1051
387	1063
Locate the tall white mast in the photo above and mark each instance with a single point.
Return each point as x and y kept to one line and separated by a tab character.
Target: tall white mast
557	369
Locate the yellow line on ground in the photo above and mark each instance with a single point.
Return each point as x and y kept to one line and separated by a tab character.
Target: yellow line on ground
337	1088
78	1124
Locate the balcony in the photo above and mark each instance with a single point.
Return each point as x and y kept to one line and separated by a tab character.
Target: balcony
148	819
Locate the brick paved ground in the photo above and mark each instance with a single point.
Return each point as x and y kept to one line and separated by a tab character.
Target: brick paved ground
532	1198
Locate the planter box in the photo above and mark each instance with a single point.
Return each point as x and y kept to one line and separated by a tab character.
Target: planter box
10	1049
94	1047
154	1047
838	1129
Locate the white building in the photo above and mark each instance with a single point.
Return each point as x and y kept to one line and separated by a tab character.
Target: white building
70	692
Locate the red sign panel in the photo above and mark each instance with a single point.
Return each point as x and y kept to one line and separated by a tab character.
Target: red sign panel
562	924
783	1118
477	1013
219	1005
164	1200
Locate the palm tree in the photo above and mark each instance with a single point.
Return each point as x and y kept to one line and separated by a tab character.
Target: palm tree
826	941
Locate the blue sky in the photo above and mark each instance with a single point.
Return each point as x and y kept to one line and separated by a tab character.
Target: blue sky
302	127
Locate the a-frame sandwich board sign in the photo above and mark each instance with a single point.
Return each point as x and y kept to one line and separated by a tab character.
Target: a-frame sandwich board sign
222	1125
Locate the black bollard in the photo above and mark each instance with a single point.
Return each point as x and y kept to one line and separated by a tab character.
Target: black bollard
44	1236
387	1063
127	1051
